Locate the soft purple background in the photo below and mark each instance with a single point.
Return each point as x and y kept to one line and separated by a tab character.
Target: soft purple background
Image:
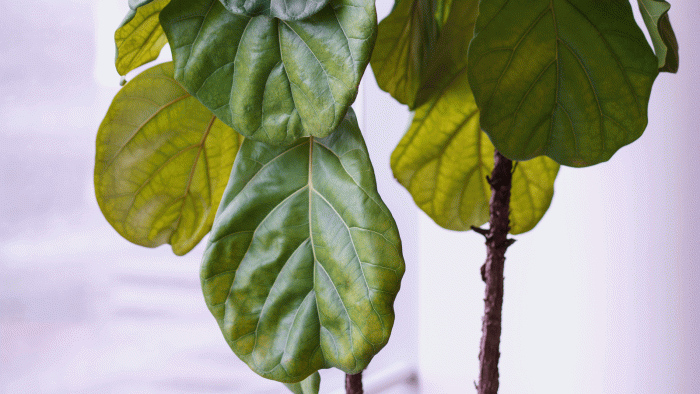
602	297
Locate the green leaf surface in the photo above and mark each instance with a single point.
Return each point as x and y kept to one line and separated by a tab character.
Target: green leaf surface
442	10
405	40
304	260
655	15
449	58
289	10
444	159
569	79
310	385
162	162
140	37
272	80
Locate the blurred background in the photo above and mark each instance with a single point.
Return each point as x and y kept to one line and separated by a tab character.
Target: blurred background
603	296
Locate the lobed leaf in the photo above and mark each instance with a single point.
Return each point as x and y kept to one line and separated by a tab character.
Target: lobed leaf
444	159
289	10
272	80
140	38
569	79
310	385
405	40
304	260
655	15
162	162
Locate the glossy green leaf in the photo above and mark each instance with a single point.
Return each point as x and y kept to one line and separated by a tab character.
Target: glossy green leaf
569	79
405	40
289	10
139	38
304	260
655	15
310	385
444	159
442	11
162	162
272	80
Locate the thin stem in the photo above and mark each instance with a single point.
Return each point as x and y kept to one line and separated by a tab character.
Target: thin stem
497	243
353	384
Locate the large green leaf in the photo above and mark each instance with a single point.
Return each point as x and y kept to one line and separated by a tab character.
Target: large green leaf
272	80
569	79
304	260
310	385
162	162
139	38
444	159
405	40
289	10
655	15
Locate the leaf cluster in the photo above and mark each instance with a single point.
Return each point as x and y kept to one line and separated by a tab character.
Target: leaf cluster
548	83
248	134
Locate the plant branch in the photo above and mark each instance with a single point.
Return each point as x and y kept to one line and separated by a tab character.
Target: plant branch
497	243
353	384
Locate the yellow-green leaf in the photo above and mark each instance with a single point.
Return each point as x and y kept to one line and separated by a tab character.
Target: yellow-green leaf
162	162
404	43
444	158
139	38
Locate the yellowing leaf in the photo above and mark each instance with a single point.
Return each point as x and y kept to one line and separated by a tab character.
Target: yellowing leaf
140	37
162	162
405	40
444	158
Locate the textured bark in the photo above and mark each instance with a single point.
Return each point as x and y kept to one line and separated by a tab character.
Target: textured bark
492	273
353	384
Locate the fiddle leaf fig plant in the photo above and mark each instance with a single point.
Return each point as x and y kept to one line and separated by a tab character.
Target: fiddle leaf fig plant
248	134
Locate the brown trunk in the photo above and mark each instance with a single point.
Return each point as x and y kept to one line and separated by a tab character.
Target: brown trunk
353	384
492	273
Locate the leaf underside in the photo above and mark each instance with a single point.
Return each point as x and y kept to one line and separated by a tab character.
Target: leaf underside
444	159
162	162
289	10
304	260
569	79
310	385
272	80
405	40
655	15
140	38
